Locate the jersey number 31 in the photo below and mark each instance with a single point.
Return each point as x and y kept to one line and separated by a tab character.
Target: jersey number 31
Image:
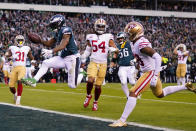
20	56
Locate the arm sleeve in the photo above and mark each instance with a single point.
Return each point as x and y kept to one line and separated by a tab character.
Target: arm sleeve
157	59
86	53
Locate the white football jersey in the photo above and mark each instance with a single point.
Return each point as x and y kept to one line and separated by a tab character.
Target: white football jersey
100	46
19	55
146	62
181	58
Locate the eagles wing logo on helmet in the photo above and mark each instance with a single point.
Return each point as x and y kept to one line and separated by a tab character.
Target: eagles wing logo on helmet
100	26
57	21
121	37
19	40
134	30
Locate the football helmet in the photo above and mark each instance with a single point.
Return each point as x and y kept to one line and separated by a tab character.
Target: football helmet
19	40
134	30
121	37
100	26
183	46
56	21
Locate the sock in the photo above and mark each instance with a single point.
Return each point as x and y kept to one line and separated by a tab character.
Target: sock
178	81
89	87
172	89
41	72
130	105
125	89
97	93
13	90
19	89
183	80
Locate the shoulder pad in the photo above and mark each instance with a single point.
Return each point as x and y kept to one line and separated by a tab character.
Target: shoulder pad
66	30
89	36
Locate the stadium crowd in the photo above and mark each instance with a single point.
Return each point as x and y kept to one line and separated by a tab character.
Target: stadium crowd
165	33
174	5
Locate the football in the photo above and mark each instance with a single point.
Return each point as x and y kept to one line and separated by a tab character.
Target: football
34	38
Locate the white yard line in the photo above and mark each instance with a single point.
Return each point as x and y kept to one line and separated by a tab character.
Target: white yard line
164	101
61	91
88	117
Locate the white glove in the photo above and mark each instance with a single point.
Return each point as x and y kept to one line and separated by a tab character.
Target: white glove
112	49
47	53
163	67
32	68
132	62
33	61
153	81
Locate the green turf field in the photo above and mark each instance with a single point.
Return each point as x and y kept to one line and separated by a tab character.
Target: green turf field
177	111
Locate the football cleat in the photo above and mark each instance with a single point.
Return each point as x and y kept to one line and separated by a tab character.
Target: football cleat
190	87
29	82
18	103
95	106
118	123
87	100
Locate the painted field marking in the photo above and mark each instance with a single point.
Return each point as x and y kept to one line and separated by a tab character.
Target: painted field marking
164	101
87	117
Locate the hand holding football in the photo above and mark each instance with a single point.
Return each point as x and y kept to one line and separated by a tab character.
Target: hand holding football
34	38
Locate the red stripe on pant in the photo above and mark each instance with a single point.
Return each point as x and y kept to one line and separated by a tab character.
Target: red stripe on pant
143	83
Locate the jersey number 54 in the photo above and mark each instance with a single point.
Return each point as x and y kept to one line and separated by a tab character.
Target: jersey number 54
97	46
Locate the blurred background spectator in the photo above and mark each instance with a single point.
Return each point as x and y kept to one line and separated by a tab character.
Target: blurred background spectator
165	33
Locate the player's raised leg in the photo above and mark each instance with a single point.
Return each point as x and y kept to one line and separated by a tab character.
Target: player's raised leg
72	65
122	73
48	63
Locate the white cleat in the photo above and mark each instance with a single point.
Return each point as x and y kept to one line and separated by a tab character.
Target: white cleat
118	123
18	103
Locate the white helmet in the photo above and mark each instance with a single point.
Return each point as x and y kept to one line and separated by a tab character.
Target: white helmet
19	40
183	46
100	26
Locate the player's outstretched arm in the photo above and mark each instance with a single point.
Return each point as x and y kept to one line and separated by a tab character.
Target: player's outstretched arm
63	44
48	43
175	50
30	55
113	47
150	52
86	53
